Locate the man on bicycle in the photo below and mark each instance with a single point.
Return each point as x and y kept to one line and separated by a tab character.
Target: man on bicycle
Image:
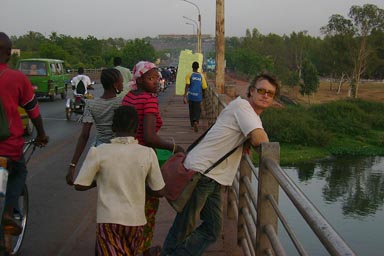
16	90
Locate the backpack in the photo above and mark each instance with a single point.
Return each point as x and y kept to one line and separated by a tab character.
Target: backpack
4	126
80	87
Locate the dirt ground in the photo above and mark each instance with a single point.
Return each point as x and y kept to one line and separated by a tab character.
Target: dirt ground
326	92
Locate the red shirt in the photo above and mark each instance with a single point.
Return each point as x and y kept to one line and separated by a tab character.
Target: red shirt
15	91
145	103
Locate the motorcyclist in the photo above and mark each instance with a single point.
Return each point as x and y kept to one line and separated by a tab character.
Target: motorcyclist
81	83
80	86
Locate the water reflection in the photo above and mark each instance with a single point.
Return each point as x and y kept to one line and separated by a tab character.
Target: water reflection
356	182
349	193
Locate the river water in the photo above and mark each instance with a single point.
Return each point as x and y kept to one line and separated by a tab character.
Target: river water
349	192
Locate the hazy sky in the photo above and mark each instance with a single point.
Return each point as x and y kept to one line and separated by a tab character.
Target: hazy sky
137	19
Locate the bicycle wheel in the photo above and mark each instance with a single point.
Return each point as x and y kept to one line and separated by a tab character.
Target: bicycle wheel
13	243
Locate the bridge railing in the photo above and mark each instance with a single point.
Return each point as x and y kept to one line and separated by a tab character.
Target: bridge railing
253	201
212	105
93	73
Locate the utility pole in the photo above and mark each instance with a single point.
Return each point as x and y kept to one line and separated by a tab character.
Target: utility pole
199	49
198	43
220	47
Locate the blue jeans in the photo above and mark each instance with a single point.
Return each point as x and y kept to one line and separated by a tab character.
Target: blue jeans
16	181
206	203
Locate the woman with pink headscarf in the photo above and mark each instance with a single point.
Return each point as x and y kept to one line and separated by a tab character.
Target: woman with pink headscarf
144	84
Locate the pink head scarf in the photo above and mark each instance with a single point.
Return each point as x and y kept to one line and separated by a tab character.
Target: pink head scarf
140	69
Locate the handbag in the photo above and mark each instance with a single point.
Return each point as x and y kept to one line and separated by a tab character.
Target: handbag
180	182
4	126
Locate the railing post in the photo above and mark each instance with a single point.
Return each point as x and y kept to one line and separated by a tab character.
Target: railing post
267	186
208	105
245	171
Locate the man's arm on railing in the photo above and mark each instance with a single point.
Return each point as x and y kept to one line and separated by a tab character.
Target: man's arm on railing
258	136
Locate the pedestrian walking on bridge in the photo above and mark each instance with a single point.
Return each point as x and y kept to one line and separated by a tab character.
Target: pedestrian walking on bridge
145	83
195	84
121	169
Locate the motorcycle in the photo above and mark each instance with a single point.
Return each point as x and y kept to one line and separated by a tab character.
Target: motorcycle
162	84
76	104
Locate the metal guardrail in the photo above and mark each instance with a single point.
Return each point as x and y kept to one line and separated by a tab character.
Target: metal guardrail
212	105
93	73
255	204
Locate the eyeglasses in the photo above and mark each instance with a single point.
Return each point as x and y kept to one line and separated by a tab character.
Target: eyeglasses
263	91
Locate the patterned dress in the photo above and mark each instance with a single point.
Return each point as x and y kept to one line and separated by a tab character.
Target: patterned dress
116	239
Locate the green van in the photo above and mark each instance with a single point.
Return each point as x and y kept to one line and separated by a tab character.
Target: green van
48	76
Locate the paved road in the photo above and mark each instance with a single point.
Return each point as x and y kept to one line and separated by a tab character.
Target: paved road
61	220
57	213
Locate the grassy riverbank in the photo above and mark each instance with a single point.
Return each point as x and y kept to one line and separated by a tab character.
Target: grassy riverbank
342	127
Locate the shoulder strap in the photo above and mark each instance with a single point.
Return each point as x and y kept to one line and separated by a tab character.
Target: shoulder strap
218	161
4	125
222	159
198	139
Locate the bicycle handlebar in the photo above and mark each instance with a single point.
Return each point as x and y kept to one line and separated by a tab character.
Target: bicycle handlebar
28	144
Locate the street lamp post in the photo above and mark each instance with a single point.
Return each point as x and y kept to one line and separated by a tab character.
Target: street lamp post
199	27
188	23
197	31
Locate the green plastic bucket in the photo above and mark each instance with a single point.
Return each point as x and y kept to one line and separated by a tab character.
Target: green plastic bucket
163	155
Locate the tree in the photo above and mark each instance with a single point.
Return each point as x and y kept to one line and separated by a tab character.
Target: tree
31	41
92	48
249	62
273	48
310	79
72	46
52	51
375	65
137	50
299	48
292	79
363	21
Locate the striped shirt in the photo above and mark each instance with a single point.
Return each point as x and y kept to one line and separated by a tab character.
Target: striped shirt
100	112
145	104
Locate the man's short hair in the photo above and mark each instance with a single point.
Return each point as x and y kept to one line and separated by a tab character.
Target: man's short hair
80	70
5	45
264	76
195	65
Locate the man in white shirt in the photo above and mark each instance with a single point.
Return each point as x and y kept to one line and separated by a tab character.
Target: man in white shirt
238	122
81	83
